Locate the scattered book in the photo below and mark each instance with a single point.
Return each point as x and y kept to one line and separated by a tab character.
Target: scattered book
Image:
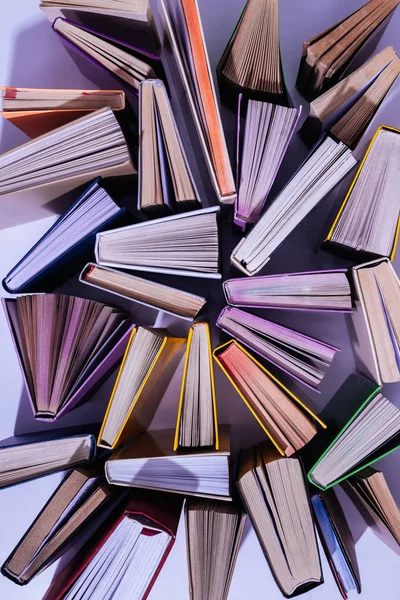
363	426
80	497
367	222
300	356
320	173
347	108
197	423
286	420
376	322
149	362
156	295
268	130
149	462
125	556
66	347
312	290
184	244
53	259
38	111
326	55
274	492
30	456
214	531
372	489
337	542
165	180
251	62
184	37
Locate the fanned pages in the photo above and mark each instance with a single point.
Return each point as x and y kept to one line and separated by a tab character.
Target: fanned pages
300	356
149	363
66	345
149	462
162	297
285	419
213	532
313	290
138	10
367	222
318	175
185	244
326	55
275	494
164	175
267	132
197	424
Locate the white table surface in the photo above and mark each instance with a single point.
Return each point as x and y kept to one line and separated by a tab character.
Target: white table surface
31	56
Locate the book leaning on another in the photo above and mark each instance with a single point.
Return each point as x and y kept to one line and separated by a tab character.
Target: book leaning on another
275	494
149	462
150	360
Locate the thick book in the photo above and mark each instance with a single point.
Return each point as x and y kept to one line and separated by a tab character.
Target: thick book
286	420
66	347
80	498
302	357
197	420
149	462
309	290
37	111
337	542
150	360
367	224
141	534
322	170
165	298
268	129
274	491
214	531
165	179
326	55
34	455
185	244
251	62
60	251
363	427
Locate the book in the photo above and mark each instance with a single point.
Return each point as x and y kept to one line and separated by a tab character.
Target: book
348	107
214	532
326	55
368	219
363	426
184	37
38	111
150	360
311	290
372	489
337	542
300	356
30	456
286	420
125	556
275	495
268	129
165	180
323	169
197	422
53	259
185	244
66	347
149	462
251	62
176	302
375	322
80	497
